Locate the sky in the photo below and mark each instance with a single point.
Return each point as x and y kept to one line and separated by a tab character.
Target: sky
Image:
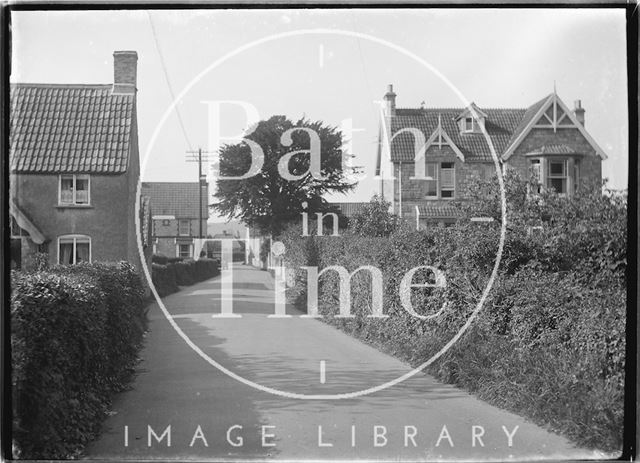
333	72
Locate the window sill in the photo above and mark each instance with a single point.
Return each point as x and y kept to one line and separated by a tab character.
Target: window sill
74	206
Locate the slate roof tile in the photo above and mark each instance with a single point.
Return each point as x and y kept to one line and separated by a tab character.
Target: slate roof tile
179	199
69	128
350	209
502	124
551	149
438	211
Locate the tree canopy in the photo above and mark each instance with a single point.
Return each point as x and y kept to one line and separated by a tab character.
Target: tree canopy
267	200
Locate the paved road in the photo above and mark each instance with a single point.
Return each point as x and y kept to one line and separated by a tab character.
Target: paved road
213	416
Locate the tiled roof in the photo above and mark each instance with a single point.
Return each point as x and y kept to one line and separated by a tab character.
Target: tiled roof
500	125
349	209
551	149
69	128
429	211
179	199
528	115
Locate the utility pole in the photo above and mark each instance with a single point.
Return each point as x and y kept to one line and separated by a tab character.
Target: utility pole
197	156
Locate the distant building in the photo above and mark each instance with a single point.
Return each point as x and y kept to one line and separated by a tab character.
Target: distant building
74	169
350	209
177	223
546	139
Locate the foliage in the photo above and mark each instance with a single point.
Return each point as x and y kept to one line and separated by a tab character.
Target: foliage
375	219
184	272
266	201
75	332
549	341
164	279
160	259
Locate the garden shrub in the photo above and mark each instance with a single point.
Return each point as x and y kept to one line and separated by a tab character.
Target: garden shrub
75	332
164	279
549	342
159	259
167	278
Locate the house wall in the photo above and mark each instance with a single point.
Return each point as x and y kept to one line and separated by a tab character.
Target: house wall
590	163
414	191
106	220
165	236
133	176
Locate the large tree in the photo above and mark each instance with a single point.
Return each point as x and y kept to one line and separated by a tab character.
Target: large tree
267	200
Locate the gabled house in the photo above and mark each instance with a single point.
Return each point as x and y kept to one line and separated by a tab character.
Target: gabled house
74	169
426	156
177	224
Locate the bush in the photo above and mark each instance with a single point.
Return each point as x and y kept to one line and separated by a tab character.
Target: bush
549	342
167	278
159	259
75	332
164	279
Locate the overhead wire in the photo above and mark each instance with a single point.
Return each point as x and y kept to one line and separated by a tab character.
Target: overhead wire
168	81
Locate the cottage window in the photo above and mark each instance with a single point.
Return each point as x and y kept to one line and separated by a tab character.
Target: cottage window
73	190
184	227
557	176
536	175
73	249
441	180
576	175
447	180
432	183
184	250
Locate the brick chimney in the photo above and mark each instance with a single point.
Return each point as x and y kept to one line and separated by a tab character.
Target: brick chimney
390	101
125	65
579	111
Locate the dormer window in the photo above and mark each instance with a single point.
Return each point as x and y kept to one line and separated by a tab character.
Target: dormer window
469	125
471	119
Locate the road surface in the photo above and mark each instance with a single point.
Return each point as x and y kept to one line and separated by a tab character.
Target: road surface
181	407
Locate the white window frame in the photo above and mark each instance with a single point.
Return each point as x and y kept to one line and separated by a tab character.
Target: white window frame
74	239
188	227
184	244
539	170
464	128
436	179
565	176
440	187
75	178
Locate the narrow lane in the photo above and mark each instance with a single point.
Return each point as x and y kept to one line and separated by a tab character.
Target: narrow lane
213	416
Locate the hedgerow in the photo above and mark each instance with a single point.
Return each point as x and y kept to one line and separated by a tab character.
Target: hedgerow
549	342
168	277
75	333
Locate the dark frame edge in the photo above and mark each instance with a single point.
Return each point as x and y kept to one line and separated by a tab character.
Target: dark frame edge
5	334
631	440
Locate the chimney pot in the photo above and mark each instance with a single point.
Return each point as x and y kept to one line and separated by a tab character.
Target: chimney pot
578	111
390	100
125	65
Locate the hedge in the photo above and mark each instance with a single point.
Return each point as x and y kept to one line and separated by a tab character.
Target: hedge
549	342
168	277
75	333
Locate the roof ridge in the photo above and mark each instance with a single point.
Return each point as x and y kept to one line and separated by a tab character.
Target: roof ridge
48	85
494	108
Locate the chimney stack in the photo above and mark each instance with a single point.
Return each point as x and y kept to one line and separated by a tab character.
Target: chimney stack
125	65
579	111
390	100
